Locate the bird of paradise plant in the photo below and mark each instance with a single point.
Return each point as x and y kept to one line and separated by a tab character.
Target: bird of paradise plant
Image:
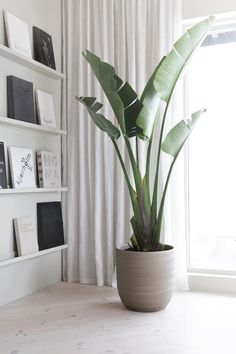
137	118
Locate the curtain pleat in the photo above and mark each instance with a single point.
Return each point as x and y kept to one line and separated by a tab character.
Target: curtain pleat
133	35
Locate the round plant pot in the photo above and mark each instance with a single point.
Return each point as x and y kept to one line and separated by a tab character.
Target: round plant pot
145	279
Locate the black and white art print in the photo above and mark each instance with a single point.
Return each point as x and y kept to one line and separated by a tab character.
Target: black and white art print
43	47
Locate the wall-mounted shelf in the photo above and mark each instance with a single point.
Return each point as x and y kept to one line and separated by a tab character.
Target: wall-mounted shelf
30	126
32	190
30	63
32	255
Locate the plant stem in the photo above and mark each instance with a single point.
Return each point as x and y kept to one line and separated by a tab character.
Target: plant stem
161	209
135	169
123	166
133	195
147	172
137	152
155	189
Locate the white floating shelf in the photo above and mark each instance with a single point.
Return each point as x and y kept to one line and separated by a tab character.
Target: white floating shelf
32	255
30	126
32	190
30	63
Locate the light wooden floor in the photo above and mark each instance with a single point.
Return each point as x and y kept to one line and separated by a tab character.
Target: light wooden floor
71	318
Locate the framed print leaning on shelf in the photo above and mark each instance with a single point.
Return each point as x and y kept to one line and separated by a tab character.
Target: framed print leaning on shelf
17	34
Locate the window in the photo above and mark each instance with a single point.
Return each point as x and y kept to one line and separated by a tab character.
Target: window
211	83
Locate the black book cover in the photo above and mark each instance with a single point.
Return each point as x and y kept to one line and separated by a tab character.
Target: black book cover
50	225
43	48
3	176
20	100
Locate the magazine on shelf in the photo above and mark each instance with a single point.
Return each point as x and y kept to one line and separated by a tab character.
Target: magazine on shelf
49	173
26	235
45	109
22	167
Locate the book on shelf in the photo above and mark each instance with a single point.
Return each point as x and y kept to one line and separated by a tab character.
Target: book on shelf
50	225
49	171
45	109
3	174
43	47
20	99
21	167
26	235
17	34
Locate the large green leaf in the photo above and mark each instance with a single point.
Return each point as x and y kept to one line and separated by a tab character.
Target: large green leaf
104	124
132	107
150	99
164	78
177	136
174	63
123	99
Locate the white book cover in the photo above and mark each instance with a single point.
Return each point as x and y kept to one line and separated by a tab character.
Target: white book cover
26	235
49	169
45	109
17	34
22	167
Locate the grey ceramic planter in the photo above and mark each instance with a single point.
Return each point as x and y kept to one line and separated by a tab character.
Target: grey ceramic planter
145	279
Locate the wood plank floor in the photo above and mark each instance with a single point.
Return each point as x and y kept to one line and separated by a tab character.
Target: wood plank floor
71	318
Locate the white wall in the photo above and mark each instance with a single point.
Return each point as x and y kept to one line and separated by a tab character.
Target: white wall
34	273
198	8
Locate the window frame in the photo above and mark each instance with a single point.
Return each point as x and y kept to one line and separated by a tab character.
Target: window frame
200	279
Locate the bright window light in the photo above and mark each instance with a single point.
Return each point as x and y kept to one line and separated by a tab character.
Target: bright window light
212	154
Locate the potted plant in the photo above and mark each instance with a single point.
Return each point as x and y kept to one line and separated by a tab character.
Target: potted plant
145	265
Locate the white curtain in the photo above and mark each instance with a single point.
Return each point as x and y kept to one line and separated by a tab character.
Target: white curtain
133	35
